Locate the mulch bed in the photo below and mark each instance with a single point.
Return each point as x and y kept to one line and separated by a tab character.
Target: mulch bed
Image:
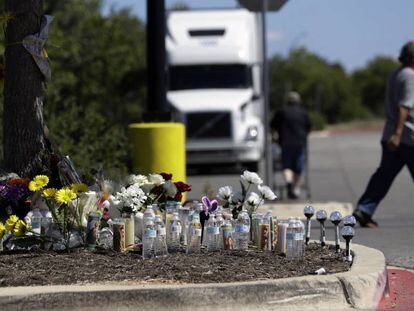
83	266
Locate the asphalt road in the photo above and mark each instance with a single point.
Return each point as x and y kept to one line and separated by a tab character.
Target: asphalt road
340	166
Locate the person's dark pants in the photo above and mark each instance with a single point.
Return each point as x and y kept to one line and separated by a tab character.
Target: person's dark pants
391	164
294	158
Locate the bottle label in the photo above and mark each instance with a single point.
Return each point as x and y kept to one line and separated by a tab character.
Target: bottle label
35	223
150	233
298	236
242	229
195	232
213	230
289	235
227	232
161	231
176	228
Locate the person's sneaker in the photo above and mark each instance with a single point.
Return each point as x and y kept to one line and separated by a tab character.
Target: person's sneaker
364	219
290	192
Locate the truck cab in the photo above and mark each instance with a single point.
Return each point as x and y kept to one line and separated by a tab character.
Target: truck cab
214	77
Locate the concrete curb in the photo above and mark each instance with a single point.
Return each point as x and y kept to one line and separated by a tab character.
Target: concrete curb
360	288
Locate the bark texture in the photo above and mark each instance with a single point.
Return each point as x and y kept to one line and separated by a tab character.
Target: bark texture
24	142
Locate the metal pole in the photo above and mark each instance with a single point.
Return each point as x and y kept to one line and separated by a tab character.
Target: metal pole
265	84
157	107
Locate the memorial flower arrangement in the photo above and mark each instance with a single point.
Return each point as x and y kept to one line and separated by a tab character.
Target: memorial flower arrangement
143	190
246	198
64	205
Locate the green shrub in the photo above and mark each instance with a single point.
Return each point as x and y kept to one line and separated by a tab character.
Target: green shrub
318	120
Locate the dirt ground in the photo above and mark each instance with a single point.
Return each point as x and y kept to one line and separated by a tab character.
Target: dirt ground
83	266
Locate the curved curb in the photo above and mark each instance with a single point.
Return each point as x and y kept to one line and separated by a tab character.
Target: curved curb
360	288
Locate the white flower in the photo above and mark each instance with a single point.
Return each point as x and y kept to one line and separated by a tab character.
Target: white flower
132	197
254	200
155	179
147	188
236	198
170	188
137	179
224	193
251	178
267	193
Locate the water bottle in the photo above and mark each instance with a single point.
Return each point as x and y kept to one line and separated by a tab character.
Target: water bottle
290	239
183	213
242	231
170	208
148	239
160	240
149	214
256	221
194	235
197	206
212	234
299	238
173	238
220	223
36	221
156	209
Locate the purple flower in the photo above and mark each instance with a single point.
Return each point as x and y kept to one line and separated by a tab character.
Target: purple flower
209	206
14	193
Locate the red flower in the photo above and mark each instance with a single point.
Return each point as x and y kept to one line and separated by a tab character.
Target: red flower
166	176
18	181
178	197
157	190
182	187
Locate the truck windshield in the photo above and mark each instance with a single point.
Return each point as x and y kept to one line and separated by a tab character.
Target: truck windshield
209	77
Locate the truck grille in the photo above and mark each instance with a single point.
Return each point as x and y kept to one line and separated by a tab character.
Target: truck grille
208	125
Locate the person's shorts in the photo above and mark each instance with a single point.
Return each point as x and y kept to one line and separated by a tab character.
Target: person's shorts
294	158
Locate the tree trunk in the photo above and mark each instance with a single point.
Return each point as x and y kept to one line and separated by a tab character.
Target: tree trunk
24	142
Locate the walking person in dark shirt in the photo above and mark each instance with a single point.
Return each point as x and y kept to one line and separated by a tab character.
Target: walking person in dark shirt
397	139
292	124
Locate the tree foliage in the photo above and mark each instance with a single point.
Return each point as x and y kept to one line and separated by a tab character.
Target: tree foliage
98	82
370	83
326	89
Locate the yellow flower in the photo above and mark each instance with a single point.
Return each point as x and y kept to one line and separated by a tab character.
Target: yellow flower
21	228
38	183
49	192
79	187
65	195
11	222
2	231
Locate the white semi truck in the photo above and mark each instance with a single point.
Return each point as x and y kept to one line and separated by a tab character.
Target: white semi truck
214	65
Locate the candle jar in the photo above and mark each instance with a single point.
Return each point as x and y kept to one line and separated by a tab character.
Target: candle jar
119	235
92	229
281	236
129	220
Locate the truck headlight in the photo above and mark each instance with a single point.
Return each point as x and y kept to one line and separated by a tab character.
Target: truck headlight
252	133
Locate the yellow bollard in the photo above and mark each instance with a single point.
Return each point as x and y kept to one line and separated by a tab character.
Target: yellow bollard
158	148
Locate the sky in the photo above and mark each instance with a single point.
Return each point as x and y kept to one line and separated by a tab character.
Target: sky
350	32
